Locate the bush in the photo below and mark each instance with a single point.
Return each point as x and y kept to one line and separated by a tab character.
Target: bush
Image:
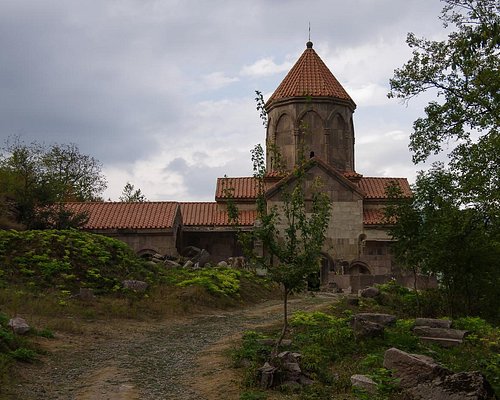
23	354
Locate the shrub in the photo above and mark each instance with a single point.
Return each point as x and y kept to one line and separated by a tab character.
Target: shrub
23	354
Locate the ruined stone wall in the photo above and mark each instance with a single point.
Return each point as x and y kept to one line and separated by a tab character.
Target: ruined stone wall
154	241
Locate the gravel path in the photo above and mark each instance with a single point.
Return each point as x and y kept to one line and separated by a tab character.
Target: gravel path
142	361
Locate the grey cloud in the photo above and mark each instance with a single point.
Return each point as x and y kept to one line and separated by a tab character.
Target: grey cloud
120	79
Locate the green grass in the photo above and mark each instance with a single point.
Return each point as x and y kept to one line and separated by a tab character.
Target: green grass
331	353
41	273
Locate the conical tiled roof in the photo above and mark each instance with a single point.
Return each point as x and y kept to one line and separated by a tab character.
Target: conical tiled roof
309	77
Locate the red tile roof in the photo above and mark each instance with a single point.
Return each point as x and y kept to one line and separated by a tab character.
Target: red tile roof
309	77
236	188
373	217
375	188
110	215
207	214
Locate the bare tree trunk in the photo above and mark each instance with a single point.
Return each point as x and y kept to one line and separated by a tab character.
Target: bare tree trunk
285	323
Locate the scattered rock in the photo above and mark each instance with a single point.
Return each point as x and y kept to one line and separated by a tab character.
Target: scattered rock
441	336
366	329
222	264
267	375
171	264
433	323
188	264
412	369
237	262
370	292
19	325
305	381
196	255
190	251
382	319
364	382
202	258
464	385
86	294
136	286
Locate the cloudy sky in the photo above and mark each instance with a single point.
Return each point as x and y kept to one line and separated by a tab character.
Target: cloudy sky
162	91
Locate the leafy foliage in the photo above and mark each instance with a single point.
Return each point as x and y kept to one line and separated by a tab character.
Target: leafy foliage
461	246
219	281
464	72
331	353
68	259
34	178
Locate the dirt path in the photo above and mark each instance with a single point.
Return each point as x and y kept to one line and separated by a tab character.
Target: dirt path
180	359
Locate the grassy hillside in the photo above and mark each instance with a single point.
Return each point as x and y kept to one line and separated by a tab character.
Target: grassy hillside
68	260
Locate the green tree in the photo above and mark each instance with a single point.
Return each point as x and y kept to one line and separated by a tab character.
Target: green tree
132	195
73	176
288	238
36	180
461	247
464	72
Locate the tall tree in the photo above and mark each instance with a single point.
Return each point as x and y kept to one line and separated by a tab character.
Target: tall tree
464	73
451	226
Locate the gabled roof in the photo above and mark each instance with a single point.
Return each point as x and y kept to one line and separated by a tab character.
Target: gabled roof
309	77
375	188
327	168
244	188
208	214
111	215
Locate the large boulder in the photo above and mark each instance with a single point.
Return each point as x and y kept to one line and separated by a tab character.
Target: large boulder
464	385
19	325
412	369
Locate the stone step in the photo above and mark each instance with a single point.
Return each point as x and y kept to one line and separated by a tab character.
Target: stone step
439	332
444	342
433	323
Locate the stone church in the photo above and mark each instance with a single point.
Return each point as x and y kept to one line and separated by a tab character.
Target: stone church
310	111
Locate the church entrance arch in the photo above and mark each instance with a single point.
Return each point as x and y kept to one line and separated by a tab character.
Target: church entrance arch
320	278
358	268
